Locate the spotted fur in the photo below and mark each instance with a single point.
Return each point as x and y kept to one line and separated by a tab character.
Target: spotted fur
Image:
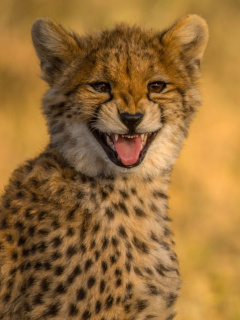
81	237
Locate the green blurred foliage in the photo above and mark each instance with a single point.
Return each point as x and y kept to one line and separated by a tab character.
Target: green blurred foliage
205	193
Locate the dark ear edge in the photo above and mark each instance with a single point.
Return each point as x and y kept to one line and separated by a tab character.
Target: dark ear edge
54	47
188	37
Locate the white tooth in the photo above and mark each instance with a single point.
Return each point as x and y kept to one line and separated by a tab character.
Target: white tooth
108	140
142	136
116	137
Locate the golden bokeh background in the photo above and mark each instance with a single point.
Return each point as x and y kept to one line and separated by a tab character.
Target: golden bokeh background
205	190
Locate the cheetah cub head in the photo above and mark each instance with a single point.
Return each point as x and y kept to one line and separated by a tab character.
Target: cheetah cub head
120	100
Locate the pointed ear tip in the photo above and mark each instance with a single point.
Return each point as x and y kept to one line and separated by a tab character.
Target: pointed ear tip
40	22
195	19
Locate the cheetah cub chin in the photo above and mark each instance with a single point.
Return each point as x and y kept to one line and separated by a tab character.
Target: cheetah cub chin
84	230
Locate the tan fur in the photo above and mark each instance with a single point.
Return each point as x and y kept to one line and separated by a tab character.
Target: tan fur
82	237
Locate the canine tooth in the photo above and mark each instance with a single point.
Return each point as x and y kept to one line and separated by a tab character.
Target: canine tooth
116	136
142	136
108	140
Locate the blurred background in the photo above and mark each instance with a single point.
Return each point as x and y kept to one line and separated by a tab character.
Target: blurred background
205	190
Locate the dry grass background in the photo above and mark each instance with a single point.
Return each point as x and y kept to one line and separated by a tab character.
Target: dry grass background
205	193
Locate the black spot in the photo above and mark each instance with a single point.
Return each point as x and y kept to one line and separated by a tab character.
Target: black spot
43	232
88	264
9	238
38	265
71	251
122	231
148	270
153	208
128	266
134	191
59	270
118	282
118	300
19	195
153	289
55	224
137	271
14	255
86	315
141	305
139	212
124	194
109	302
98	307
171	316
118	272
167	232
96	228
76	271
83	248
104	194
129	255
47	265
4	224
140	245
110	213
70	215
70	232
25	252
31	231
123	207
20	226
102	286
91	281
81	294
42	215
38	299
56	255
57	241
127	308
104	266
7	297
115	242
97	255
113	259
93	244
73	310
45	283
60	289
159	194
104	243
52	310
171	299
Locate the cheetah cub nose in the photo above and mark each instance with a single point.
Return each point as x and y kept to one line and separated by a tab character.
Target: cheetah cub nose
131	120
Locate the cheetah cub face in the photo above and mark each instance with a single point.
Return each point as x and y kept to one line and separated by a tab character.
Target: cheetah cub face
120	100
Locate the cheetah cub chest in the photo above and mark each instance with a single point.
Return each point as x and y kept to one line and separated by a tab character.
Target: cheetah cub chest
84	230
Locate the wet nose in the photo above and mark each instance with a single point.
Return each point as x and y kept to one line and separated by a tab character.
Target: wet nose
131	120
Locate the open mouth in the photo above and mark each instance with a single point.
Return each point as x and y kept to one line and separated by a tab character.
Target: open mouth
125	150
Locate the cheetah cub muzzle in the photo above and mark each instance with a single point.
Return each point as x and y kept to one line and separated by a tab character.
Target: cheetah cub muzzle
84	230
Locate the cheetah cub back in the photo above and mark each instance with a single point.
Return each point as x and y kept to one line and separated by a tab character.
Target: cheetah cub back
84	230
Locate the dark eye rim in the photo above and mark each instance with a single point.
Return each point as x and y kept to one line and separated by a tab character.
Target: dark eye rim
101	86
158	86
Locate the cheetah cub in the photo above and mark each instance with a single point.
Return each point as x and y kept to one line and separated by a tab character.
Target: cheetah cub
84	230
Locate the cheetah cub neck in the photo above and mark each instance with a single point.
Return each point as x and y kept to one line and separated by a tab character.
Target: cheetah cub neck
120	101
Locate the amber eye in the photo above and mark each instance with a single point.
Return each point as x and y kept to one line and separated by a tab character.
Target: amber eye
101	86
156	87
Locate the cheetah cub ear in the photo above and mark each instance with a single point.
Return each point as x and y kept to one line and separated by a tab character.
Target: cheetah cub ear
54	46
188	38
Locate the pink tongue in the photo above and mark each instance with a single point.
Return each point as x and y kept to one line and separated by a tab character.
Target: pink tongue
128	149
